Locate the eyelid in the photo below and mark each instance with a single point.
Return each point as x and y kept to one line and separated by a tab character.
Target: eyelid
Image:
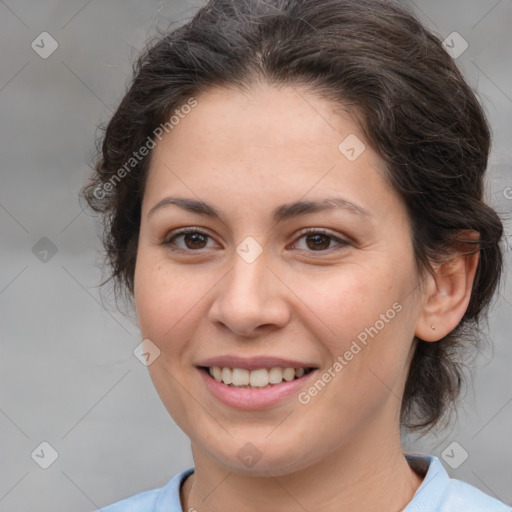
181	231
322	231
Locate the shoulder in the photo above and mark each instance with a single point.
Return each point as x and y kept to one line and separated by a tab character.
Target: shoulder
142	502
163	499
440	493
463	496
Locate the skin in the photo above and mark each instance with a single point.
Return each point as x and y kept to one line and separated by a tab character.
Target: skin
247	153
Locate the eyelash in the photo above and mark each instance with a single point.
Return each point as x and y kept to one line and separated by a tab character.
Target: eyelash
168	242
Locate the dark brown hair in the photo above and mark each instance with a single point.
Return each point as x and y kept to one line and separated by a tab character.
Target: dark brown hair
374	59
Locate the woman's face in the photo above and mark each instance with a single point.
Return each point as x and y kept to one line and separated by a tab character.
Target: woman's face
251	291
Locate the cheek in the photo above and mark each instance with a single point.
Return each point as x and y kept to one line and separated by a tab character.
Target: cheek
164	297
368	315
351	300
164	302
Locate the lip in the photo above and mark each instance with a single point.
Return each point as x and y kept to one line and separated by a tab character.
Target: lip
254	399
253	363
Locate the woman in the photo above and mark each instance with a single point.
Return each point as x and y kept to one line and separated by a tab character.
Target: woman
292	194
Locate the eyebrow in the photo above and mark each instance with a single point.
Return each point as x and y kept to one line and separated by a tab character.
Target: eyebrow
280	214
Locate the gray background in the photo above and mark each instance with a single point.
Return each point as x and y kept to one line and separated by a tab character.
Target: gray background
68	375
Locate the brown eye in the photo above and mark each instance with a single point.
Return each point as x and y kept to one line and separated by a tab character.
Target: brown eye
318	240
193	240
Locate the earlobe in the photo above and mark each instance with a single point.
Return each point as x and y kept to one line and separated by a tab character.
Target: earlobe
448	293
428	327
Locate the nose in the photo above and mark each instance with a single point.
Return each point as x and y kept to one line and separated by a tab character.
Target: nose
251	299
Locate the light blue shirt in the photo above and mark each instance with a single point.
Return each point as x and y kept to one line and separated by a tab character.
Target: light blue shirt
437	493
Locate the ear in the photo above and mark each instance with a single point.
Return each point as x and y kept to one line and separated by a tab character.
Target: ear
448	290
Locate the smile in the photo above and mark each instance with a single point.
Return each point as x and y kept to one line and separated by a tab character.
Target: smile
260	378
255	383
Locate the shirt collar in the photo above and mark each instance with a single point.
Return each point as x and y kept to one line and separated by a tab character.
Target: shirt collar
430	493
169	498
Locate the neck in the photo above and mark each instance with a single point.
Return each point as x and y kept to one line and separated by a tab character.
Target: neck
351	479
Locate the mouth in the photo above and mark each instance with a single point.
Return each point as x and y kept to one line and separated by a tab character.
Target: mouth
255	383
259	378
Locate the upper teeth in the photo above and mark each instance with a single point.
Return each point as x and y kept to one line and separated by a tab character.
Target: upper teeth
257	378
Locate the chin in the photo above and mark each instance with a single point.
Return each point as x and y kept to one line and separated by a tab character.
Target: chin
272	459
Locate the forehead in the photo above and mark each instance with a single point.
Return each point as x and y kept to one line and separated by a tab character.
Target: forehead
280	119
264	143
